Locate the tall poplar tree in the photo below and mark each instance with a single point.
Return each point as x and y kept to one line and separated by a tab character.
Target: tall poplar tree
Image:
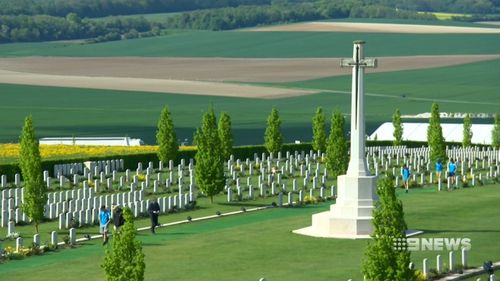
319	133
125	260
435	137
35	191
166	137
337	151
225	135
273	137
209	169
383	260
398	128
467	138
495	133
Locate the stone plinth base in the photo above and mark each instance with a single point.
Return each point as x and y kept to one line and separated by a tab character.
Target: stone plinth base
351	216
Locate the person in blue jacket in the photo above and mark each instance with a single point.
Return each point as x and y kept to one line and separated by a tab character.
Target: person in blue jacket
452	170
406	176
439	169
104	219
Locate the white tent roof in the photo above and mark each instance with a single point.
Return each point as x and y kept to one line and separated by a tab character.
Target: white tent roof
104	141
481	133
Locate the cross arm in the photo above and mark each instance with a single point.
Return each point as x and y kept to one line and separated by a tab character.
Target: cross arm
367	62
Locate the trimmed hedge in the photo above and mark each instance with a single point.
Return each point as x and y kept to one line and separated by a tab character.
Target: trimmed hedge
239	152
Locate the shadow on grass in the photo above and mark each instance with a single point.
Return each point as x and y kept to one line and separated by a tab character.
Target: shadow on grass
245	204
151	244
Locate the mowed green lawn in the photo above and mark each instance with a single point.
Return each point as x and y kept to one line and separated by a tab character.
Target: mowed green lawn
87	112
261	244
266	45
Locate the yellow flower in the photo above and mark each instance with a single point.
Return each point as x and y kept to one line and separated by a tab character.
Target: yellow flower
11	150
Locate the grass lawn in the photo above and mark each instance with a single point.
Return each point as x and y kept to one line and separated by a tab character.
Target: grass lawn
260	244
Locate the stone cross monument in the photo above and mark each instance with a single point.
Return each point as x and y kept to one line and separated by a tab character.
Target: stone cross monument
351	215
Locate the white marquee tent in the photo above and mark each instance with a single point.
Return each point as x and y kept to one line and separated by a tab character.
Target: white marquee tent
97	141
481	133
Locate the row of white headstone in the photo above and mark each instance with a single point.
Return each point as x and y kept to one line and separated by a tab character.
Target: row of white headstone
53	239
85	198
322	193
469	161
96	166
139	208
71	169
307	164
451	265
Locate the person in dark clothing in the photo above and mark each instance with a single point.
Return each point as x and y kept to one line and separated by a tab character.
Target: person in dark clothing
154	210
118	219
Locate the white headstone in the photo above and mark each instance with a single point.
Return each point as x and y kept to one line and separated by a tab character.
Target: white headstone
439	264
425	268
53	238
11	227
72	236
19	244
36	239
451	260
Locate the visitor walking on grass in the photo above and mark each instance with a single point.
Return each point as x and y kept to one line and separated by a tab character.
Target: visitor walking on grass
154	210
118	219
104	219
406	176
439	170
452	170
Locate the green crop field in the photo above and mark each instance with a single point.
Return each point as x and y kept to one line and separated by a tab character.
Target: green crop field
456	88
266	45
86	112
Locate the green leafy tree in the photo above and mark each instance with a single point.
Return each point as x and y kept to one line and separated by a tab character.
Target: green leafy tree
435	137
467	139
166	137
125	260
398	128
337	151
35	191
209	169
225	135
319	134
495	134
273	137
383	261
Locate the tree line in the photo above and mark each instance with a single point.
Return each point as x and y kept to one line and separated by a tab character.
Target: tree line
24	28
48	28
248	16
214	141
101	8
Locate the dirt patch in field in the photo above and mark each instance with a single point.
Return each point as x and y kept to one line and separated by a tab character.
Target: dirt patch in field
216	69
373	27
150	85
197	76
